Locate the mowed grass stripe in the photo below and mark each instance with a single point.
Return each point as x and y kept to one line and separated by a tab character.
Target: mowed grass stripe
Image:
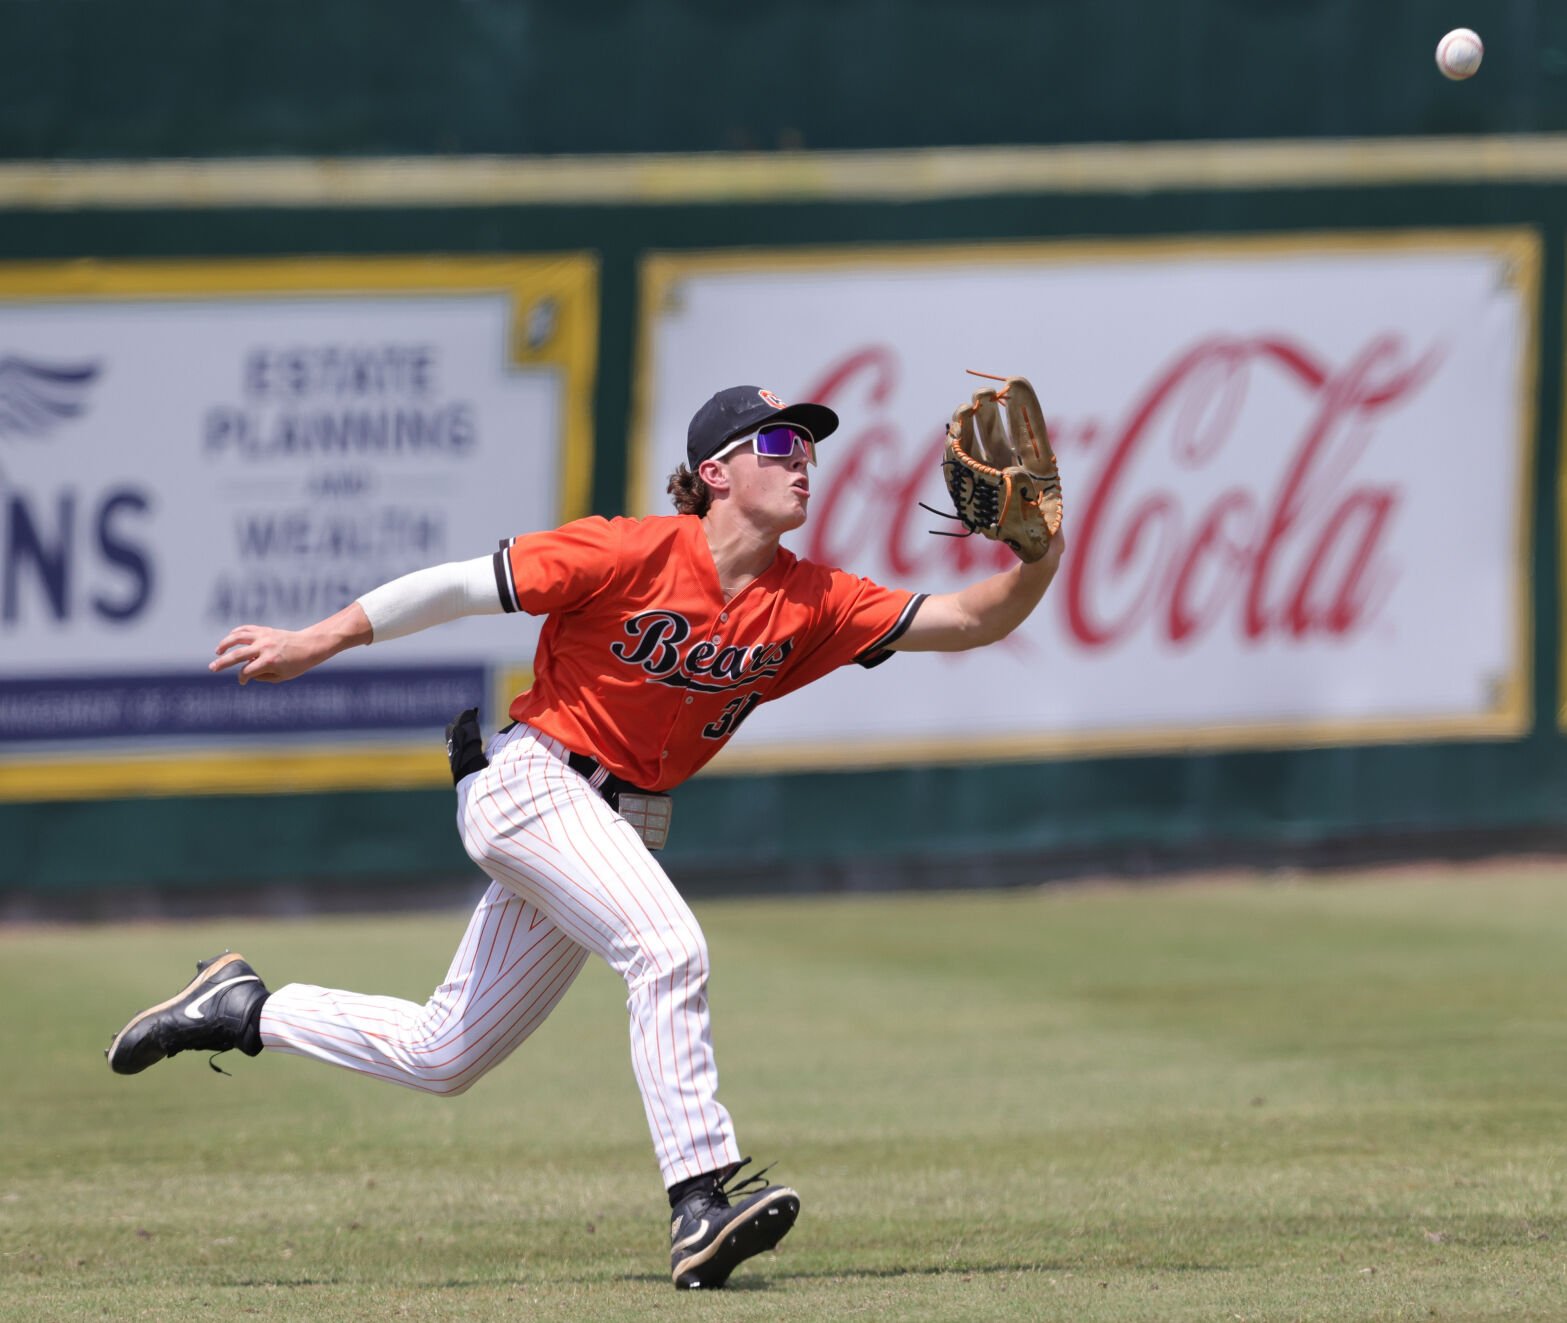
1318	1100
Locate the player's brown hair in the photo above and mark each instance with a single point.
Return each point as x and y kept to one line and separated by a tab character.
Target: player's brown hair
690	493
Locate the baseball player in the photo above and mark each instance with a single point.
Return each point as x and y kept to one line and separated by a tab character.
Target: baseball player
661	635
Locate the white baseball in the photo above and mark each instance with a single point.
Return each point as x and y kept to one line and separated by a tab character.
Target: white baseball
1459	53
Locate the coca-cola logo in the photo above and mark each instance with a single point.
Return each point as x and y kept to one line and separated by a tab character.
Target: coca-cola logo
1187	513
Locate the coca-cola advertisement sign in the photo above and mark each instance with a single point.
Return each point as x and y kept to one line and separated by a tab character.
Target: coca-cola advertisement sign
1293	472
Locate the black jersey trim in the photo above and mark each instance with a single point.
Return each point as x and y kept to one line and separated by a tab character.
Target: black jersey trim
880	650
503	583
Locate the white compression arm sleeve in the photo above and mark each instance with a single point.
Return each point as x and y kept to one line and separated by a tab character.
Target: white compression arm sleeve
432	597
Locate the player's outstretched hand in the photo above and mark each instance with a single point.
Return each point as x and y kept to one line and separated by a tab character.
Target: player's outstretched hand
263	653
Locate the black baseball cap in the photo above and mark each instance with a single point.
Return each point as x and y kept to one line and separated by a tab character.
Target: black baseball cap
737	410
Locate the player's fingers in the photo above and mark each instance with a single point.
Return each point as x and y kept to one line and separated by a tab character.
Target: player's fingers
238	653
239	634
261	667
242	637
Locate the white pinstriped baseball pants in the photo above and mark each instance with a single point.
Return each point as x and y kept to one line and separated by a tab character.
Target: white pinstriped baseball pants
569	877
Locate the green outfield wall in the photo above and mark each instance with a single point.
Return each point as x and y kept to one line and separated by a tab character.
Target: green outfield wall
389	77
1200	133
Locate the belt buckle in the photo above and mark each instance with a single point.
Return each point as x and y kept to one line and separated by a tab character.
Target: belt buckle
649	816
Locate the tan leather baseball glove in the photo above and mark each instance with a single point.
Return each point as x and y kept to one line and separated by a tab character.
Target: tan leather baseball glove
1001	471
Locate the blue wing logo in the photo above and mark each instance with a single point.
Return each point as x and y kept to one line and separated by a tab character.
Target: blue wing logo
36	397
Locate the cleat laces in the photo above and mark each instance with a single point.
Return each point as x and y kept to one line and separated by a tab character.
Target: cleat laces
732	1184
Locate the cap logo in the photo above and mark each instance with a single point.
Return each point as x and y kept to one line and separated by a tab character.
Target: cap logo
769	398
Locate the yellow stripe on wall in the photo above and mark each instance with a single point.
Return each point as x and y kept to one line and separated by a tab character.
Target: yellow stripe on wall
729	177
270	772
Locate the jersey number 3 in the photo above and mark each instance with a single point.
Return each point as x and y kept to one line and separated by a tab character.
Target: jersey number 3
735	711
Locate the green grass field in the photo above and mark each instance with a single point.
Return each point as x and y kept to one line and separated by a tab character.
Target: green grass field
1237	1100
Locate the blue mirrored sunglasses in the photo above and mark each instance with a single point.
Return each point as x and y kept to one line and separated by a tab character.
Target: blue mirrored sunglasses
776	442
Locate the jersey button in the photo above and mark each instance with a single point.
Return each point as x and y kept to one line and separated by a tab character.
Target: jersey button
723	616
665	754
689	700
717	639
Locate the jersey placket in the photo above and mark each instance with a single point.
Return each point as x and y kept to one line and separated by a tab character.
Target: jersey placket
724	723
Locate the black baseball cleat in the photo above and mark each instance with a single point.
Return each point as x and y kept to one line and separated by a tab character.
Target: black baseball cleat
218	1009
710	1237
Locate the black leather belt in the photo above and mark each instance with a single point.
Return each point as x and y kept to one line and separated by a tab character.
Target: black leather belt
465	749
609	786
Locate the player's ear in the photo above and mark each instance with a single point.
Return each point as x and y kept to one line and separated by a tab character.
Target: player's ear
714	473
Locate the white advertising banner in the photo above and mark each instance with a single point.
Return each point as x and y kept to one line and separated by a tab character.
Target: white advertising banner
188	447
1295	473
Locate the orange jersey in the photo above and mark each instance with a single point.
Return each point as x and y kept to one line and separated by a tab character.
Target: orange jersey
644	666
